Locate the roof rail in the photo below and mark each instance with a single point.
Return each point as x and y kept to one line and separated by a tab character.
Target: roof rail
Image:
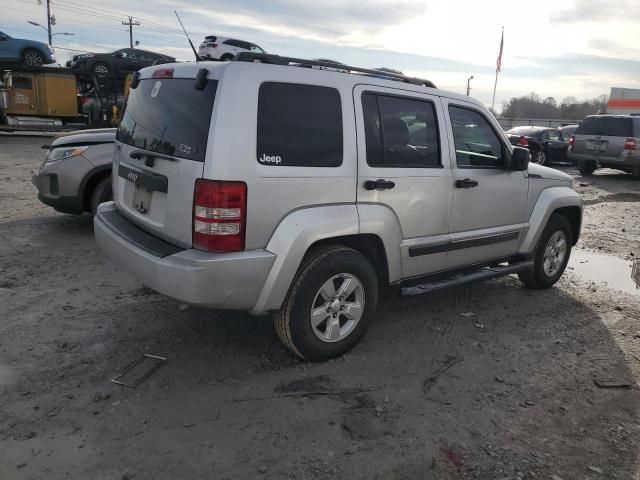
290	61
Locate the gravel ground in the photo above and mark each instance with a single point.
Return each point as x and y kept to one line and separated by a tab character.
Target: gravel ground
490	381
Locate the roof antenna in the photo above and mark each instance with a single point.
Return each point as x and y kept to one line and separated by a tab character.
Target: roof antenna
198	57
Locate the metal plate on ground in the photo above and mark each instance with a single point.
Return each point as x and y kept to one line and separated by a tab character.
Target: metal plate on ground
139	370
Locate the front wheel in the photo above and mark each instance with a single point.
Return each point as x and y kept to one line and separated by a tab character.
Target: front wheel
102	193
551	254
32	58
330	304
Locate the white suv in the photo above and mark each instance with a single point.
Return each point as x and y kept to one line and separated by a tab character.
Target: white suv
221	48
269	187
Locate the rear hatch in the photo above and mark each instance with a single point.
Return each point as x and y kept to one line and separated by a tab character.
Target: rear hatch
602	136
160	151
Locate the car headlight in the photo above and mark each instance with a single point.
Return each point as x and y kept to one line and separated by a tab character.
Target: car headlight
61	153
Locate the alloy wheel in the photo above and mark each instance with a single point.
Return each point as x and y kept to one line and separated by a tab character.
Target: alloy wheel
337	307
555	253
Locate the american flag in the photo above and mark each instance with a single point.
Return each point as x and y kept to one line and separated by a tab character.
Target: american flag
499	61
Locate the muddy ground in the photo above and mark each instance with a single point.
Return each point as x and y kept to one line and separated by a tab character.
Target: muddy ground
487	382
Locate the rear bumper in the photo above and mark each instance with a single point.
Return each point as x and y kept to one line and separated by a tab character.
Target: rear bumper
214	280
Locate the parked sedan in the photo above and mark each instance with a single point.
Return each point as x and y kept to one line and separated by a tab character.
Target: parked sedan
546	144
75	177
28	53
120	61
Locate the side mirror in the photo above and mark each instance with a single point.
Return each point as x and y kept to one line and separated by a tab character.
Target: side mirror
520	159
119	55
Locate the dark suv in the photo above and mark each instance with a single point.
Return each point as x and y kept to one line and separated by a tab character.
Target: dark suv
606	141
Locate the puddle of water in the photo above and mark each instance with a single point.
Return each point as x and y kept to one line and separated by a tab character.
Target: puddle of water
604	269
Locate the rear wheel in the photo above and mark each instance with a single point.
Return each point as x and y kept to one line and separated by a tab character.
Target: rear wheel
551	254
32	58
587	167
227	57
539	157
102	193
100	69
330	305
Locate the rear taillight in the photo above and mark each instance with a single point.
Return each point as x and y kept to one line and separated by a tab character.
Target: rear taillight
163	73
630	144
214	45
219	215
523	142
572	141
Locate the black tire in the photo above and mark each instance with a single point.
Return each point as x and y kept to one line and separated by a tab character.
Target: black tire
293	321
102	193
227	57
100	69
536	277
587	167
636	172
32	58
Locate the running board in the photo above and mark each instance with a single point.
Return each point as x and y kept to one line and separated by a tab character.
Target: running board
461	279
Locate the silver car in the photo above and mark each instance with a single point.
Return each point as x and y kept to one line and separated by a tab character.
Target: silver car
260	185
75	176
606	141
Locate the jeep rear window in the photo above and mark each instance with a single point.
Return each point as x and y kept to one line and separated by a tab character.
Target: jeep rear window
169	116
606	126
299	125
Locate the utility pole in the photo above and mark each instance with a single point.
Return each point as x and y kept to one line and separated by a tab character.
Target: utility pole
469	85
130	24
49	20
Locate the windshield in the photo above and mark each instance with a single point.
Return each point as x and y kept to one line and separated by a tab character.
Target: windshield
168	116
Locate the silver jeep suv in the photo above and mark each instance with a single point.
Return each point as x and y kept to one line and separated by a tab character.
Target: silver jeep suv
259	185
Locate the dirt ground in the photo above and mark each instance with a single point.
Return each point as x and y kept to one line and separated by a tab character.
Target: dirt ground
491	381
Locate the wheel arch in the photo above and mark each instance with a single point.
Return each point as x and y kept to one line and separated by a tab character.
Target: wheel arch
562	200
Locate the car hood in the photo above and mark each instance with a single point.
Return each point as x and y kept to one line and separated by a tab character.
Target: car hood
547	173
98	135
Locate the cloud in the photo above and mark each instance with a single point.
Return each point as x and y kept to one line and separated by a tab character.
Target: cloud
330	18
598	11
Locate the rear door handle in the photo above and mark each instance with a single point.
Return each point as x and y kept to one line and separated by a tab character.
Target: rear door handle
466	183
379	184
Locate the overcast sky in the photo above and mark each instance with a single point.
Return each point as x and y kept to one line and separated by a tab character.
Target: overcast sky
556	48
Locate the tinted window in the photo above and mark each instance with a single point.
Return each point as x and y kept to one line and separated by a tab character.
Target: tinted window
233	43
636	127
606	126
299	125
211	38
477	145
400	132
168	116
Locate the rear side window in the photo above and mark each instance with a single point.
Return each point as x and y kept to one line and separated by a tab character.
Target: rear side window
169	116
400	132
636	127
299	125
606	126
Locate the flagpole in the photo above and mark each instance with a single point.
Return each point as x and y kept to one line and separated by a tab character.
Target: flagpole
495	85
498	68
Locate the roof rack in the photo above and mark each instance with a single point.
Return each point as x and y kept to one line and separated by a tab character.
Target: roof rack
290	61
